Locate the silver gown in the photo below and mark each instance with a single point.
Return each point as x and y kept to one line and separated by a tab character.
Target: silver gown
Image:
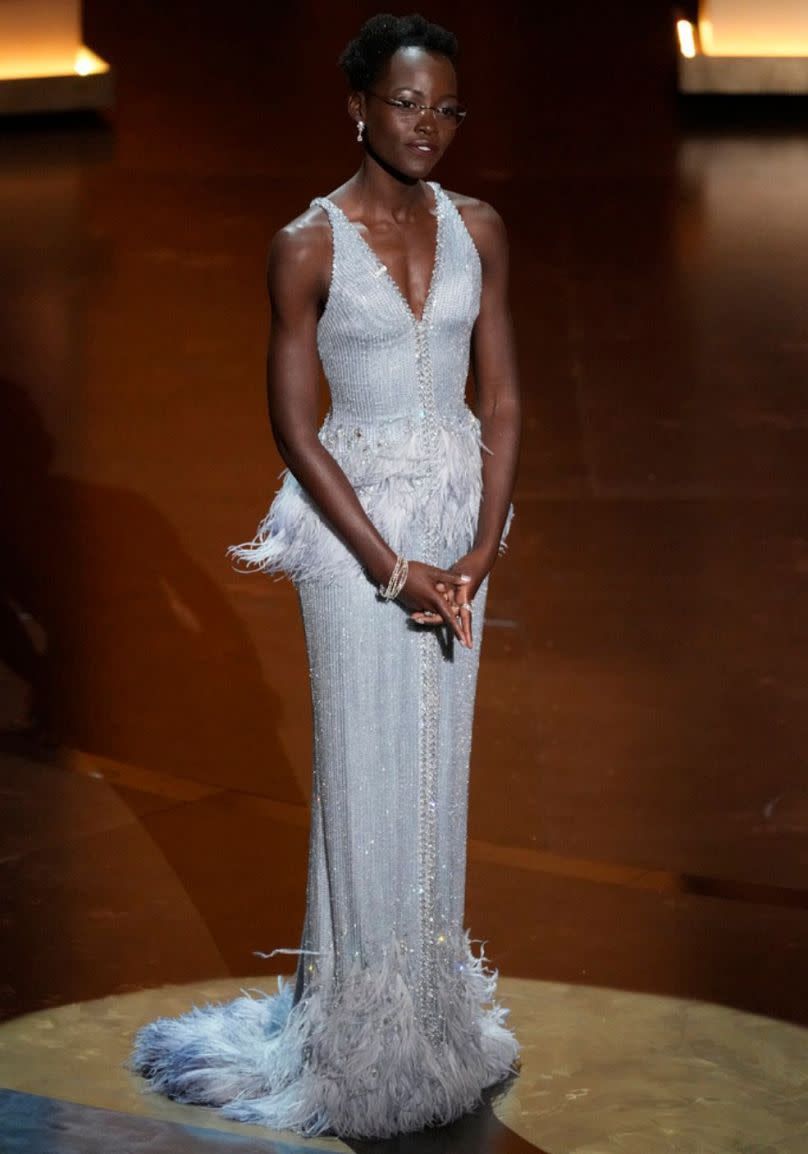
392	1022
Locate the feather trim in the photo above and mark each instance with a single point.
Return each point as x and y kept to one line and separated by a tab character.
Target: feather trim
351	1061
397	484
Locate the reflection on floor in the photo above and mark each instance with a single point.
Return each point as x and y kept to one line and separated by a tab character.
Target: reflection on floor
639	806
603	1069
32	1124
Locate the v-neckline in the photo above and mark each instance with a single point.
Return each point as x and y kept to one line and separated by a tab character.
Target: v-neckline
382	267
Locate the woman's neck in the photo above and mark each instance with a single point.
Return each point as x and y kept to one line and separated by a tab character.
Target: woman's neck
390	192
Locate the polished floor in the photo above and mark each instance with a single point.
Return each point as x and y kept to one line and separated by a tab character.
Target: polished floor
639	802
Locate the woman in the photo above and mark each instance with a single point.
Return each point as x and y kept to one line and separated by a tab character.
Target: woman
389	520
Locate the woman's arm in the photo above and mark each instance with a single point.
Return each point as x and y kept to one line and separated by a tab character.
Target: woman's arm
496	380
297	272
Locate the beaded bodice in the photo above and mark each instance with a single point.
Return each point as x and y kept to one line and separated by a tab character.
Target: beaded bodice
381	361
398	425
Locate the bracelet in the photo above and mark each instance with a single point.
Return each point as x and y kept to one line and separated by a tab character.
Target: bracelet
397	580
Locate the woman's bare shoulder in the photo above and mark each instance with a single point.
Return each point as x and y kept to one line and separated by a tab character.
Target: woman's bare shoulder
306	238
486	226
473	209
301	249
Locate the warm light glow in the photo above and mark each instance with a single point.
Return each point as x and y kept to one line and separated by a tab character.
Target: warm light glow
25	66
87	62
751	28
687	40
81	62
38	38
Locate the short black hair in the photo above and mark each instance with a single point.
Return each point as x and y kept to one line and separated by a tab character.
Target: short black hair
366	55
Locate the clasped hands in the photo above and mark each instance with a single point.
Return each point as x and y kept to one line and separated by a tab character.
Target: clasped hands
435	596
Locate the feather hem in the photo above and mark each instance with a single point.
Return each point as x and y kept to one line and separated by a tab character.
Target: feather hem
351	1061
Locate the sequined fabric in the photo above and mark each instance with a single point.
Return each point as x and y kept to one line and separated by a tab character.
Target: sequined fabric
398	424
392	1023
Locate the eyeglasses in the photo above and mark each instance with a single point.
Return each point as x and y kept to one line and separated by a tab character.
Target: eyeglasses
451	114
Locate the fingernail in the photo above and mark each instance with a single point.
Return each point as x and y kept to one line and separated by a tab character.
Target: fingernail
464	577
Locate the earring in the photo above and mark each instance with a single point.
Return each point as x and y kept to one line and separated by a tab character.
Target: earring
360	128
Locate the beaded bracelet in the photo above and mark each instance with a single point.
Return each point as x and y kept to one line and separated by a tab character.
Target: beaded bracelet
397	580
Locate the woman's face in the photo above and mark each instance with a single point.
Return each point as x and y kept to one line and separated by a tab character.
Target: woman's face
411	142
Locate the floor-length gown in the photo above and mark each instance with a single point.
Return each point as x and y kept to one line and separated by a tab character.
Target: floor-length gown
392	1022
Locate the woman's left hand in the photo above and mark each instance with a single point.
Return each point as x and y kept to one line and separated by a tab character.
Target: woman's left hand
476	565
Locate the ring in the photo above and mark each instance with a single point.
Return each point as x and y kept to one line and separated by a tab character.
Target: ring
467	607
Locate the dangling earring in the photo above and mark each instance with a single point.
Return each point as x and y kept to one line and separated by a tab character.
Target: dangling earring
360	128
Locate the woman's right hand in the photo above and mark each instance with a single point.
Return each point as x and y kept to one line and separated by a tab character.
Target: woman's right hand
431	591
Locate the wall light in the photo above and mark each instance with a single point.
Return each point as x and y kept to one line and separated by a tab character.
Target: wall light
44	67
743	46
87	63
687	38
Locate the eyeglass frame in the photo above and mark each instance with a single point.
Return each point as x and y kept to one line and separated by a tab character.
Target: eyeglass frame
458	117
